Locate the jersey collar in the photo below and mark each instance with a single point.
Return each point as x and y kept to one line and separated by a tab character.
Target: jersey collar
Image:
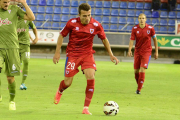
91	21
142	28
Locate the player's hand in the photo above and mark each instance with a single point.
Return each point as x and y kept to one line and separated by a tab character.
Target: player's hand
34	41
56	58
130	54
155	56
114	60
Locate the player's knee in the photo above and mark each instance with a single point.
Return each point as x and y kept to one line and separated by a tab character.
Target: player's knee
68	81
26	62
142	69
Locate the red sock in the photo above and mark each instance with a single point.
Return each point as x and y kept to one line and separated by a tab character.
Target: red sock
62	86
137	77
141	80
89	92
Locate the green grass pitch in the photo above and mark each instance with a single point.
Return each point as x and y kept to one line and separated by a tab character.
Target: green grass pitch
159	99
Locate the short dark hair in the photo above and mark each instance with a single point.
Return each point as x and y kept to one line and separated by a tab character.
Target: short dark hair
84	6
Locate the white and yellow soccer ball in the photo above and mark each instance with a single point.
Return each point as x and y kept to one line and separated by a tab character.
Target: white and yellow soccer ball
111	108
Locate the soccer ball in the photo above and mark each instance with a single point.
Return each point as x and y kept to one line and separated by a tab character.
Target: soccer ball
111	108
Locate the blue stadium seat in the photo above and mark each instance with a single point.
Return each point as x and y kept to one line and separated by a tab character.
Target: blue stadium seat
114	12
130	13
122	13
40	17
131	5
105	27
50	2
148	14
38	25
139	5
171	22
65	11
138	12
82	2
114	20
98	12
74	11
163	30
178	15
105	20
122	20
55	26
99	4
58	3
28	2
148	21
172	15
41	10
74	3
64	18
107	4
163	14
136	21
57	10
115	4
62	25
47	25
72	16
178	7
147	6
121	28
49	10
106	12
48	17
98	18
171	30
155	14
34	2
66	3
123	5
130	21
41	2
129	28
56	18
92	11
163	22
34	9
113	28
91	3
155	22
156	28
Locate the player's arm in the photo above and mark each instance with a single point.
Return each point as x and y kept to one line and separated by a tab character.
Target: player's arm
108	48
156	47
30	37
131	42
36	36
29	14
58	48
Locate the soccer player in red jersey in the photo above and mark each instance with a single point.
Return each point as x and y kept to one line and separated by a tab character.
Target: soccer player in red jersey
79	52
142	33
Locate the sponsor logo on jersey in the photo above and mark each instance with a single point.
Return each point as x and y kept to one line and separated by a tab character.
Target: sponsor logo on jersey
19	30
5	22
73	21
77	28
95	24
135	27
91	31
149	26
148	31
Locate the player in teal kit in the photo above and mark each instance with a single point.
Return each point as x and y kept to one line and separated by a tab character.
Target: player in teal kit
24	45
9	45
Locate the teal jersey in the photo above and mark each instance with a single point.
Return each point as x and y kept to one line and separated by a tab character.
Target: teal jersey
23	31
8	26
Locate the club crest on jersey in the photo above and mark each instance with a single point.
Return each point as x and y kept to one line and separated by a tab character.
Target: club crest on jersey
25	21
77	28
148	31
9	11
67	72
91	31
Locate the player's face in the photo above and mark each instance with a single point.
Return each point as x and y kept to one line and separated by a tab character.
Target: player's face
142	19
4	4
85	17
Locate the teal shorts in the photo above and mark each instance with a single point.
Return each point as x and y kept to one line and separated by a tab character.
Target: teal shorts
12	61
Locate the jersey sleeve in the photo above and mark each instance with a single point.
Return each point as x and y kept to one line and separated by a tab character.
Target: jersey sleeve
101	33
20	12
64	32
133	35
153	33
31	24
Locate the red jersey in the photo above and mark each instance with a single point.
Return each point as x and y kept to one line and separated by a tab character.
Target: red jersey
81	36
143	39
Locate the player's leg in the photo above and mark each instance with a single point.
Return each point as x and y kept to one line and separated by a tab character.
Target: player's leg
1	66
136	66
144	65
25	56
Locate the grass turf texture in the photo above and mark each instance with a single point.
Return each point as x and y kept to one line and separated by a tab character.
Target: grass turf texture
159	99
